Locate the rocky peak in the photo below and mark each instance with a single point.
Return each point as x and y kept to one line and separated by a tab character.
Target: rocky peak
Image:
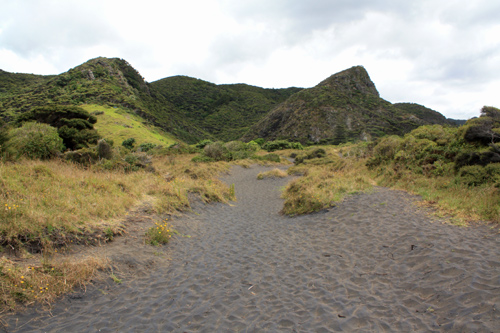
355	78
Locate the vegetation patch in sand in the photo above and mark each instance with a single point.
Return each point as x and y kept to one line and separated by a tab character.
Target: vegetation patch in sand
326	180
159	234
43	282
274	173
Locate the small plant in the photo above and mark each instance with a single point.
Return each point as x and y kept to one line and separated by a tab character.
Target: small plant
116	279
159	234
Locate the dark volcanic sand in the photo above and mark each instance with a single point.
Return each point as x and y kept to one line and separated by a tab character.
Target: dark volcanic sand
373	263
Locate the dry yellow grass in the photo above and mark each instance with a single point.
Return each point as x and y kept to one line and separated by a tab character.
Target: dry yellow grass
325	181
46	205
274	173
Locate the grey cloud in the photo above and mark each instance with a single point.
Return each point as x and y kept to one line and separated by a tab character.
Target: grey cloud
45	26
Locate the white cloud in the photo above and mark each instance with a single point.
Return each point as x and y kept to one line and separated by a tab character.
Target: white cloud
443	54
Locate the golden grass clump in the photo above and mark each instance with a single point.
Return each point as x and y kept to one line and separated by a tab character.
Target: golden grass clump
325	181
274	173
27	284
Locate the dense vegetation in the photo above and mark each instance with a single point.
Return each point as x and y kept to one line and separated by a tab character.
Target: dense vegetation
346	107
224	111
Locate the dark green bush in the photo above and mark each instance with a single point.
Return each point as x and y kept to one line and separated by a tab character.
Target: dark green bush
147	146
74	124
104	149
128	143
315	153
34	140
203	143
474	175
84	156
280	145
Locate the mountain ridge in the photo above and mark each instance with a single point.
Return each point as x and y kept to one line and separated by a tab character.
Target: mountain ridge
344	106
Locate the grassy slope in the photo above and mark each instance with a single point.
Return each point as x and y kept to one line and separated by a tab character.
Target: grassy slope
117	124
224	111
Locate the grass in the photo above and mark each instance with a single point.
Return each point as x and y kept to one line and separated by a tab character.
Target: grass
118	125
47	205
325	181
42	283
448	197
274	173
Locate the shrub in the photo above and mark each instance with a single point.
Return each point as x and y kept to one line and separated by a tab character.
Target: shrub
259	141
74	124
280	145
104	149
128	143
35	141
474	175
217	151
203	143
85	156
316	153
147	146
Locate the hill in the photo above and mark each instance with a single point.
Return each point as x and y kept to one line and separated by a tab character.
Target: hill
344	107
188	108
224	111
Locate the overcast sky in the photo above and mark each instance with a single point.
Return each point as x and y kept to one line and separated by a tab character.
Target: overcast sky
444	54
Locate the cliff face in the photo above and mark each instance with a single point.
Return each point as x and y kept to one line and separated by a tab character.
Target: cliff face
344	107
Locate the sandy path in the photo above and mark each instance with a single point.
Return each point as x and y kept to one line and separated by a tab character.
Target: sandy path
373	263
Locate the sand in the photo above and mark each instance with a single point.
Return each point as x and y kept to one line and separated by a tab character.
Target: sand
375	262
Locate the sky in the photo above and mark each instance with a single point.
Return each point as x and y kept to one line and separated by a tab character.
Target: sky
442	54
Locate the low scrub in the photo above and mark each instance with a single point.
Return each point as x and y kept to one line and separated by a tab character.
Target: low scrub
324	184
33	140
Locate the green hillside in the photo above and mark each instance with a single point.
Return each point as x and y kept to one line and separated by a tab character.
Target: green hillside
224	111
119	124
345	107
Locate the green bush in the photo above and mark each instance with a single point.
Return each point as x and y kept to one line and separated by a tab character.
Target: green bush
474	175
84	156
203	143
217	151
147	146
129	143
259	141
74	124
104	149
280	145
34	140
316	153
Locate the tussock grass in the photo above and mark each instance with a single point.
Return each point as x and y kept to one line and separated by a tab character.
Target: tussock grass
325	181
274	173
43	283
450	198
45	205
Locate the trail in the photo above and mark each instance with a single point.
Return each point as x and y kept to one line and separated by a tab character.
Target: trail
373	263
